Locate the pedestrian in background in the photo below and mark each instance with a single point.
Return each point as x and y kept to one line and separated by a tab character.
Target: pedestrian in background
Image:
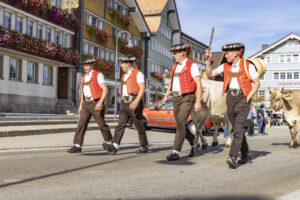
265	119
260	119
250	120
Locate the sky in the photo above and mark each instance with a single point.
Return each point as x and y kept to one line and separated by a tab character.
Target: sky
252	22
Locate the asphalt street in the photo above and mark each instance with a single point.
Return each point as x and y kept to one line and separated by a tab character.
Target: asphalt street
38	167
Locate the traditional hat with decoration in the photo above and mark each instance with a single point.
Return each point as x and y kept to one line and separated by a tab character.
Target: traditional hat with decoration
235	46
182	47
130	59
88	61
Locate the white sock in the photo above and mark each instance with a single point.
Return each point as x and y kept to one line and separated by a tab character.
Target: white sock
116	145
174	151
77	145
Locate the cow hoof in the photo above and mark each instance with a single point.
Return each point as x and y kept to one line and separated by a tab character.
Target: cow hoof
291	146
227	145
215	144
204	146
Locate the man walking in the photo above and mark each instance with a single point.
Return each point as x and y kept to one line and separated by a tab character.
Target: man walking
186	88
239	93
132	91
250	120
94	92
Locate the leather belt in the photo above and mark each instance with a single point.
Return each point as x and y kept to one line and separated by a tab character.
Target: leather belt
235	92
176	93
129	98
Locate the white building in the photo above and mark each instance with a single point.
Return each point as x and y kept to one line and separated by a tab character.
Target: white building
29	81
283	66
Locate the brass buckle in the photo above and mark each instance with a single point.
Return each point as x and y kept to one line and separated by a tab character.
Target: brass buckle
176	94
235	92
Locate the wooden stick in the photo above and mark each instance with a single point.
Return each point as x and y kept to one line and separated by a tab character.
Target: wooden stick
211	38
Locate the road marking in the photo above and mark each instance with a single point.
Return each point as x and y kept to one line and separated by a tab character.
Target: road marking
290	196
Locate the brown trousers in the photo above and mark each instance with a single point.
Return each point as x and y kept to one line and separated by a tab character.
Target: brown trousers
182	107
88	109
137	119
237	110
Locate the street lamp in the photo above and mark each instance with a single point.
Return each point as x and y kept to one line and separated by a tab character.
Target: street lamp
129	45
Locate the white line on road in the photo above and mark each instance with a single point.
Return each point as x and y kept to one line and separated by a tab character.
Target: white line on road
290	196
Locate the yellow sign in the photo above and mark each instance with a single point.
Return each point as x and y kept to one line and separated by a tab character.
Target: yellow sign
69	4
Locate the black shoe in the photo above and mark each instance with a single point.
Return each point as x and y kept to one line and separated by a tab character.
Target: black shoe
106	146
142	150
74	149
194	150
112	149
245	160
173	156
231	161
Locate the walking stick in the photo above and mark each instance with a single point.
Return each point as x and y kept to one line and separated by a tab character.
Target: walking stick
211	38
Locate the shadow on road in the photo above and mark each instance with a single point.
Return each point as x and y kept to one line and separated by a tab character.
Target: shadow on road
185	160
231	197
281	144
256	154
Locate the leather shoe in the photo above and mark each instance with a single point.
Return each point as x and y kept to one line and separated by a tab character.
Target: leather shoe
245	160
106	146
231	161
74	149
142	150
112	149
173	156
194	150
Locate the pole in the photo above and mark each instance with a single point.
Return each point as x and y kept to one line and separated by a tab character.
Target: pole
116	63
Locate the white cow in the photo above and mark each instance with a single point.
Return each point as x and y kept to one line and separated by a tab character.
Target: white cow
214	108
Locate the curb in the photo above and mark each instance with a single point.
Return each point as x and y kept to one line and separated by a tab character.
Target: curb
45	122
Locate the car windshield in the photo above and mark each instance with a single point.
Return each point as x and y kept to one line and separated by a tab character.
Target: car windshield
167	106
153	106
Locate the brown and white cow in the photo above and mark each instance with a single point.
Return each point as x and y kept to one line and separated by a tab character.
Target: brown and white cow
289	102
214	108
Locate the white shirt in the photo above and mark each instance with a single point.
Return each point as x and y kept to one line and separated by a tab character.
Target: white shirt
235	68
139	78
86	88
195	71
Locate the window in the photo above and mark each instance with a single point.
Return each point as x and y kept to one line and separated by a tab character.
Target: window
19	24
48	35
47	75
112	57
261	93
85	48
96	52
7	20
295	58
268	59
276	75
296	75
94	21
282	58
29	27
39	34
31	72
168	105
102	54
57	37
262	77
289	43
282	75
107	55
289	75
58	3
65	40
1	67
100	24
288	58
14	69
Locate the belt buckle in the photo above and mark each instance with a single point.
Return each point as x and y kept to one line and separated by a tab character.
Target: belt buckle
130	98
235	92
176	94
88	98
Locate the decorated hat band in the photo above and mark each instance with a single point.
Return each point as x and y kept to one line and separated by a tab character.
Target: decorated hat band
88	61
235	46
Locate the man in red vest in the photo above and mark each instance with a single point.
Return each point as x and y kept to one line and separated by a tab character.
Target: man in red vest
94	92
239	93
186	88
132	91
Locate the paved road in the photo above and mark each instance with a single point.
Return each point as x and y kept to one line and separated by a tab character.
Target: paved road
45	171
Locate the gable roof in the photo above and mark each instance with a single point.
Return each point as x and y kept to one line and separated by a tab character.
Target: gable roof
275	44
152	7
217	59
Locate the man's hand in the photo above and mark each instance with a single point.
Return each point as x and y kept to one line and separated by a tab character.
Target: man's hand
133	105
164	101
79	109
208	55
197	107
98	106
249	98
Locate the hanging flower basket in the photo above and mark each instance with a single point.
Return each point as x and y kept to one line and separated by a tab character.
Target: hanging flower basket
123	19
134	51
157	75
99	34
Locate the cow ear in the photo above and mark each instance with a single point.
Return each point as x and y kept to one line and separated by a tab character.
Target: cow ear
287	97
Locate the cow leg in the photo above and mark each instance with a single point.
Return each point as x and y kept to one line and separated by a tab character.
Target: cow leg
295	132
291	128
215	137
199	134
229	140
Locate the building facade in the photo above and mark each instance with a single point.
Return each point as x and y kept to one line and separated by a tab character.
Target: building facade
283	66
102	23
37	55
162	18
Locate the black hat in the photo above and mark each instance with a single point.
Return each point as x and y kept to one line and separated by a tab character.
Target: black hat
88	61
127	58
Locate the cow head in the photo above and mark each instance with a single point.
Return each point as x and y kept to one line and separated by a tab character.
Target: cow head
277	98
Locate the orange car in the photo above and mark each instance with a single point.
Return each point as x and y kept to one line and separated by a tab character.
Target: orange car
163	117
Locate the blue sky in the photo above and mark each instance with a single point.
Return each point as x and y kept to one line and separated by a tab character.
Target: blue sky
252	22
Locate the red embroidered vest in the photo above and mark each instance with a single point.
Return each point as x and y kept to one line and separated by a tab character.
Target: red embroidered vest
244	82
95	88
131	82
187	83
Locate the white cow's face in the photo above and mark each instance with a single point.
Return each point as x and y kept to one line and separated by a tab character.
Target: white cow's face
276	101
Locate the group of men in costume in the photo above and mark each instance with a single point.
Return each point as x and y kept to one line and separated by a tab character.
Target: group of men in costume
185	87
